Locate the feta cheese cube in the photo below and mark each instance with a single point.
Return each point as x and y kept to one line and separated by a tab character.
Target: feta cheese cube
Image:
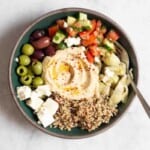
34	95
65	24
43	90
46	112
23	92
45	118
70	41
50	105
35	103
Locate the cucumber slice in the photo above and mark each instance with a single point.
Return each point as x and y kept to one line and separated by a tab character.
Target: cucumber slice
71	20
58	37
83	16
61	45
109	45
86	24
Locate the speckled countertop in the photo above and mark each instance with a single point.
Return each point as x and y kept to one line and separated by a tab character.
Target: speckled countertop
132	132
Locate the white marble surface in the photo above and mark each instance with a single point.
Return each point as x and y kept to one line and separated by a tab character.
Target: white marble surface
132	132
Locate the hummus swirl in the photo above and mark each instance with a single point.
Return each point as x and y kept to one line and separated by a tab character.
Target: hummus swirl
69	74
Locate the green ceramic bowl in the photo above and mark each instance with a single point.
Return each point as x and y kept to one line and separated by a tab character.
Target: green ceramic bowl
44	22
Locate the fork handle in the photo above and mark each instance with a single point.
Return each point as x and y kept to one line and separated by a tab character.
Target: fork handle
141	98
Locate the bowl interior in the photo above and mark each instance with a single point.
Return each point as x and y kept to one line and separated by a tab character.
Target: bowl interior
45	22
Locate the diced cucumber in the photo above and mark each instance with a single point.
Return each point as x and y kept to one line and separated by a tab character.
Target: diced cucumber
82	25
86	24
103	29
58	37
108	45
61	45
71	20
82	16
77	29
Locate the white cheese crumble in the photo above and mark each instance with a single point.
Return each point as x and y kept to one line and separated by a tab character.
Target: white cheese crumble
23	92
46	112
70	41
65	24
45	118
35	103
43	90
43	110
51	105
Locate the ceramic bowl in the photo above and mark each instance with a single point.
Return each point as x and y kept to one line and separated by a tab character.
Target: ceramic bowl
44	22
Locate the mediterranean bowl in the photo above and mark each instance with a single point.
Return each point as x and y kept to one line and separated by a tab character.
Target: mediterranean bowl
55	66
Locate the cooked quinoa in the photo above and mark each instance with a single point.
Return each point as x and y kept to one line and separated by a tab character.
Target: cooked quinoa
87	114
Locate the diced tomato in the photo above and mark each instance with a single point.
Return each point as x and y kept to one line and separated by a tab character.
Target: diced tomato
89	57
52	30
94	50
90	34
98	25
71	32
95	33
91	40
112	35
93	22
77	24
84	35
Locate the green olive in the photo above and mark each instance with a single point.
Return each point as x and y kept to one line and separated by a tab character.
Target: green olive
37	81
37	68
30	72
24	60
27	49
26	80
22	70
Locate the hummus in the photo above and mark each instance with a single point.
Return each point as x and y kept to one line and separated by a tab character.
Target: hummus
69	74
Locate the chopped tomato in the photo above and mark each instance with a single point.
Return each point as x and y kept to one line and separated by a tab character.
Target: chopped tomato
84	35
91	40
98	25
94	50
93	22
112	35
71	32
77	24
89	57
95	33
52	30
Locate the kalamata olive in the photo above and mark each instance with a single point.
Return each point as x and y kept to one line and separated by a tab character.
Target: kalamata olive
37	34
41	43
50	51
38	54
